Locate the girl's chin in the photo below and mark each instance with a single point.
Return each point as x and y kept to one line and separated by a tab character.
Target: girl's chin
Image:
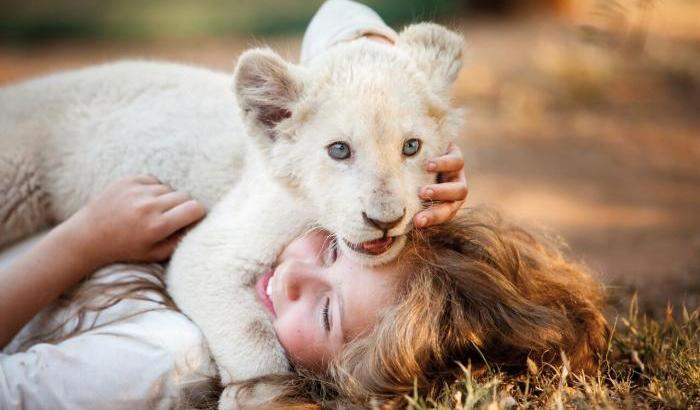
261	290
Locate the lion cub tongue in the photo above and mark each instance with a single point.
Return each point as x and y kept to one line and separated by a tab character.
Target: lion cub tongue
377	246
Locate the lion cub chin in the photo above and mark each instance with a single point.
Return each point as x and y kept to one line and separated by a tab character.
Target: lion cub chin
351	131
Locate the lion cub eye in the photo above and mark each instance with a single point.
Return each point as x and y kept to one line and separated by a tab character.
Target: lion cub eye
339	150
411	147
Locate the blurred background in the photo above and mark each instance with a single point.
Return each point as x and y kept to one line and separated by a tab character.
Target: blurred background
584	115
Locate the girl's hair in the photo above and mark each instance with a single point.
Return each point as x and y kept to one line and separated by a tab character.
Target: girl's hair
475	290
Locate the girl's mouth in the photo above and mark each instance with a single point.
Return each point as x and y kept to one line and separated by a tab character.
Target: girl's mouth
264	289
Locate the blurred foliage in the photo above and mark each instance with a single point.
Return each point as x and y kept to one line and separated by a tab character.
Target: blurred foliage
38	20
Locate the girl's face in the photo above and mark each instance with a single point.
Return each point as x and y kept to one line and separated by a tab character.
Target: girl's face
319	299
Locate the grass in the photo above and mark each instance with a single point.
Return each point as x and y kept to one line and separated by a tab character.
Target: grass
649	363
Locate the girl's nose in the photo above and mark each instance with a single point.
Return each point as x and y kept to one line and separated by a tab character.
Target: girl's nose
300	278
292	291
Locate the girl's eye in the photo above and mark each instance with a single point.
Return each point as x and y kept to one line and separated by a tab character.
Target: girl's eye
324	312
331	253
411	147
339	150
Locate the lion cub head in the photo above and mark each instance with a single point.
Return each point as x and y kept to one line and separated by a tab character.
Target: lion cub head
353	130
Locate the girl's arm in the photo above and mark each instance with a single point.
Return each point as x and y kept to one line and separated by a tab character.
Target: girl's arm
133	219
132	355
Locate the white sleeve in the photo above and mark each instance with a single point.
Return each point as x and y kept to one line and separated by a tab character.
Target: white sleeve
147	362
341	20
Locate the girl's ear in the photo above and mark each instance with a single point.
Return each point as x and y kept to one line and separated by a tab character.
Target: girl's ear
267	89
436	50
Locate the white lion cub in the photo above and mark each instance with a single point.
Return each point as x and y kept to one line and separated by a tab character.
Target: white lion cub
340	144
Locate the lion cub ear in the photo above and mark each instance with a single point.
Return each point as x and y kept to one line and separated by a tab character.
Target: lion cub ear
436	50
267	89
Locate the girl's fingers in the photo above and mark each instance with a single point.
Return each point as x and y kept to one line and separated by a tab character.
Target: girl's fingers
182	215
446	192
445	163
452	161
145	179
436	214
171	199
458	176
448	177
157	189
166	247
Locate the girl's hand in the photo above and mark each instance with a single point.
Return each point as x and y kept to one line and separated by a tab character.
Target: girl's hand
448	195
135	219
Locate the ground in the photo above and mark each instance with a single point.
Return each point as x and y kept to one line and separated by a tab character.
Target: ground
586	128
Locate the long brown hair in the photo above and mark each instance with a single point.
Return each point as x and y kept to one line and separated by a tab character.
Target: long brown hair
476	290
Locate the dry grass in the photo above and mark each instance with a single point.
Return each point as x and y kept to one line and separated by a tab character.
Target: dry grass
649	364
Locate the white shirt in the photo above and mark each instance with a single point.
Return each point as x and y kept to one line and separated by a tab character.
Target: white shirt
341	20
132	355
135	354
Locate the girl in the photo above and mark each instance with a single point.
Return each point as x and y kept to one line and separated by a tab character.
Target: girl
474	286
473	290
116	341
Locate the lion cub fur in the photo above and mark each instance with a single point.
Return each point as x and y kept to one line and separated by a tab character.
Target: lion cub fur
256	157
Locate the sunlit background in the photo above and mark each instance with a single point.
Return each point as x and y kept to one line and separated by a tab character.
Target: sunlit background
584	115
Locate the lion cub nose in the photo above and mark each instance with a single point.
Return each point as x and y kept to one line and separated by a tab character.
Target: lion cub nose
383	225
